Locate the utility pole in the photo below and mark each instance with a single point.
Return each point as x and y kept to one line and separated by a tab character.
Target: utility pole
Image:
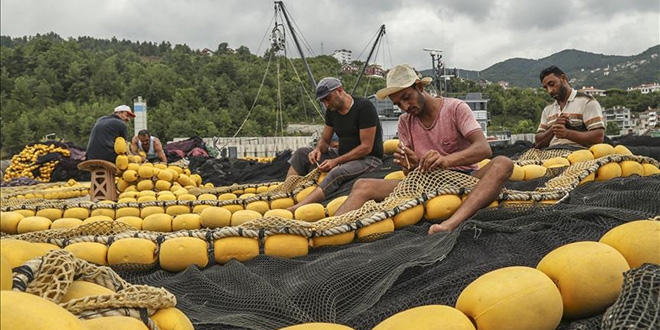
440	75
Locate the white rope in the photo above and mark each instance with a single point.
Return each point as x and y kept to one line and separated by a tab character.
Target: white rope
254	103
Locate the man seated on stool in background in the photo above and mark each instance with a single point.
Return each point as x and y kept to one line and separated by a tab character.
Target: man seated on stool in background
148	147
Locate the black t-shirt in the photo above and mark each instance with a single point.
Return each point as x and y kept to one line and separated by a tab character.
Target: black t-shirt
101	143
361	115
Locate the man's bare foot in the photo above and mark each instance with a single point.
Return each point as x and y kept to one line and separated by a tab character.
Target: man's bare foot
442	227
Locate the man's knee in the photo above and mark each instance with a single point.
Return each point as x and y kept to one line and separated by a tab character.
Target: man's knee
501	166
364	185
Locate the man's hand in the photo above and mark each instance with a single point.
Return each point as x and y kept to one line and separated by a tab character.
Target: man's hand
559	128
328	165
432	160
405	157
314	156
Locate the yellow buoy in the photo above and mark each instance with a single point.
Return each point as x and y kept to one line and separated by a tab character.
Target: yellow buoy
556	161
17	252
396	175
215	217
18	312
90	251
50	213
390	146
631	167
81	289
601	150
259	206
317	326
6	275
33	223
310	212
114	323
622	150
160	222
177	254
442	207
188	221
286	245
589	276
285	214
333	240
638	241
375	229
512	298
240	248
242	216
429	317
172	318
608	171
133	221
650	169
533	171
518	173
304	193
334	204
65	223
9	222
282	203
132	251
409	216
578	156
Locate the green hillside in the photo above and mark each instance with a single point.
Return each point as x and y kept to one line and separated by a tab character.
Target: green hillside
583	68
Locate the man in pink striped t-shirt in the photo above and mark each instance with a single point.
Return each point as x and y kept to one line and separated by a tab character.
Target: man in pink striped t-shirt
435	133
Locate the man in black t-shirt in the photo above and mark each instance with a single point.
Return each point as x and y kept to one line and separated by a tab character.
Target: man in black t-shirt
101	143
355	121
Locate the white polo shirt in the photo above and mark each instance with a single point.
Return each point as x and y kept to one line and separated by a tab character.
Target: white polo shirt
584	114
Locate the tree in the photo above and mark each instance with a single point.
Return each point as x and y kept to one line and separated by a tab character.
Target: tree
524	127
612	129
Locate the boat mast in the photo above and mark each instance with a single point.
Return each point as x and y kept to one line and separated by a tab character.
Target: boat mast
381	32
279	5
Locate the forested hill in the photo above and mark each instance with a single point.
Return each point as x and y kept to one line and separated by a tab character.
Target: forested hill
51	85
587	69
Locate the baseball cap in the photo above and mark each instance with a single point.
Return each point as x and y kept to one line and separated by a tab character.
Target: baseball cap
326	86
399	78
125	108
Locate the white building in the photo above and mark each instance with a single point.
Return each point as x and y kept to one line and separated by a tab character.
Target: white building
620	116
590	90
648	119
646	88
343	56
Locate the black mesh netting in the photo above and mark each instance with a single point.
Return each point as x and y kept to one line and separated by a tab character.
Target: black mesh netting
361	284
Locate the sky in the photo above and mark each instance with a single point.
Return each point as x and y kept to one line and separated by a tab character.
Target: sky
471	34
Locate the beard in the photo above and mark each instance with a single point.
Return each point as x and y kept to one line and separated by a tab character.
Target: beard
421	103
561	95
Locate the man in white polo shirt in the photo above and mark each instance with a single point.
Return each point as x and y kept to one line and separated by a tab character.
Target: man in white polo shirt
574	120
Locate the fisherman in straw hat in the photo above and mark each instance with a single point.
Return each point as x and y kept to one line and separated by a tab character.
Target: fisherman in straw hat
435	133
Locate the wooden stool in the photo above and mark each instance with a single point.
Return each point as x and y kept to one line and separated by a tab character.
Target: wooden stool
103	185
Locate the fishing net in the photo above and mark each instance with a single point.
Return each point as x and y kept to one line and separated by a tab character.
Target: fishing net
638	306
52	275
362	283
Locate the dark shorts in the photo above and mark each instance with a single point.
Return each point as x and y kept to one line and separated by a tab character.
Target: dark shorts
338	175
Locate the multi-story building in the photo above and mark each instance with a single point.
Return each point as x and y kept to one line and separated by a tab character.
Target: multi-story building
620	116
648	120
479	105
343	56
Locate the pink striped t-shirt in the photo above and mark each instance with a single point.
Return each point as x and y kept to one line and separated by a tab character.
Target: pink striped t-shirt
447	134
